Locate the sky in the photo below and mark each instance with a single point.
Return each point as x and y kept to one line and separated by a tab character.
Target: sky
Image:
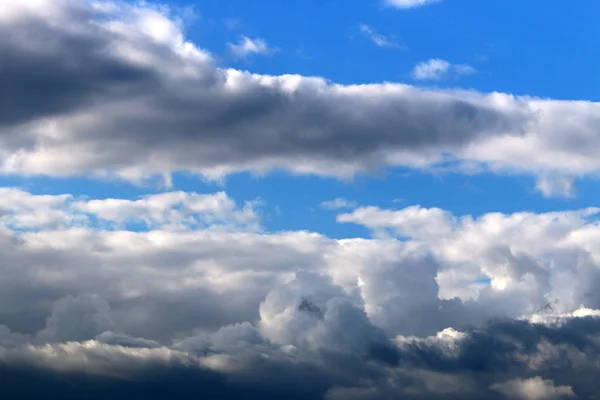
375	199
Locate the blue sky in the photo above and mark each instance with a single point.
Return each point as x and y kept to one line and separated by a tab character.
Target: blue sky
517	48
521	49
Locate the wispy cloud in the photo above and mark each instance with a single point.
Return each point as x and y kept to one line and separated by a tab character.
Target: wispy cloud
379	39
556	186
246	47
436	69
232	23
338	203
410	3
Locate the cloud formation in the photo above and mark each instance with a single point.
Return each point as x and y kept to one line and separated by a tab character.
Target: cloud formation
108	88
247	47
183	294
338	203
434	306
167	210
533	389
378	39
436	69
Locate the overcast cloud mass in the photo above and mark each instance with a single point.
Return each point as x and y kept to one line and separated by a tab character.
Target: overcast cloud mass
186	295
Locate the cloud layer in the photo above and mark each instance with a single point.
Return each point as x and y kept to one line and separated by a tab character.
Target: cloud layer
109	88
434	306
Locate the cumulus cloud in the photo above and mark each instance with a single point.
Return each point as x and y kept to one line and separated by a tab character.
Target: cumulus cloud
77	319
436	69
172	210
406	314
108	88
504	250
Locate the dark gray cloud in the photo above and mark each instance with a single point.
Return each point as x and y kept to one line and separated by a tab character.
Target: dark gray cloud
505	359
117	89
179	381
76	319
312	339
65	83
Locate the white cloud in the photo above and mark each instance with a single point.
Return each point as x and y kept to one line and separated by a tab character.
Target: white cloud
436	69
338	203
412	221
410	3
432	69
556	186
511	251
23	210
174	209
248	46
464	69
167	210
379	39
533	389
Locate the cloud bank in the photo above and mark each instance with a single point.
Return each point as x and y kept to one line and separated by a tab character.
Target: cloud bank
107	88
433	306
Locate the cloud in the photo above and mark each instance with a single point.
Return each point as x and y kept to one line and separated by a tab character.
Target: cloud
247	47
450	365
556	186
174	209
378	39
412	221
436	69
533	389
404	4
422	263
338	203
403	314
170	210
183	294
504	250
119	91
77	319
